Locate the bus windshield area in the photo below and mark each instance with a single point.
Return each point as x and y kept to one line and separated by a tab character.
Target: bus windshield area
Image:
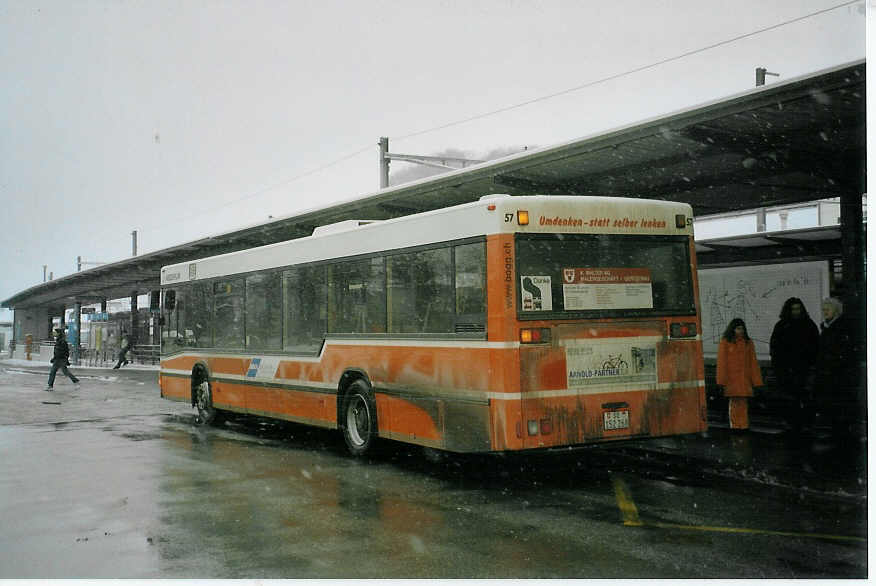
563	276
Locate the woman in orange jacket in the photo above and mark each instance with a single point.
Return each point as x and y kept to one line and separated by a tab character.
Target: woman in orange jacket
738	371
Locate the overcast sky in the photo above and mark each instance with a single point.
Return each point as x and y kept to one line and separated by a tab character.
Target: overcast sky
182	119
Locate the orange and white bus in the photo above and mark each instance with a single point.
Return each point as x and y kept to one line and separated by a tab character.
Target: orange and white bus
509	323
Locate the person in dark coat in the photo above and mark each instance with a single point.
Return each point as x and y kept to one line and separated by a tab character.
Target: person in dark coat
127	344
793	350
834	371
61	360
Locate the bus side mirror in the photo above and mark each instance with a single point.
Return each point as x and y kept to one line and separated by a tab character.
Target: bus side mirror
169	300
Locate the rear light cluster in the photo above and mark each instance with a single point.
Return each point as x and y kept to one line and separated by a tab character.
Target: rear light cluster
542	426
683	330
535	335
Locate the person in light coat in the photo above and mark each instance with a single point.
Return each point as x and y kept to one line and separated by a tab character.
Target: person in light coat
738	371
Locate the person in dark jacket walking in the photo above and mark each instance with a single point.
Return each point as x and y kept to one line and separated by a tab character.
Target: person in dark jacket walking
61	360
793	350
127	344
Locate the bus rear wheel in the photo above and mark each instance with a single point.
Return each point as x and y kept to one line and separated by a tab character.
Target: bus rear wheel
359	418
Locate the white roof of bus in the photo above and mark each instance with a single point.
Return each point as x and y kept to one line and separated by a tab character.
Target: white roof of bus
446	224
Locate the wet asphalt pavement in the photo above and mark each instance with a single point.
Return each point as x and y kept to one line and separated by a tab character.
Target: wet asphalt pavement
114	482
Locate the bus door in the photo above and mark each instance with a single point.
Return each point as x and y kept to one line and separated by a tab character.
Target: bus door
590	382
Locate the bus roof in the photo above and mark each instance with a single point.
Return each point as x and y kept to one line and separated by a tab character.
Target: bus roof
492	214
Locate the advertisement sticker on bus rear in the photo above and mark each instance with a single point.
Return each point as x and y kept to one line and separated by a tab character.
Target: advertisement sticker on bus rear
536	293
601	361
607	288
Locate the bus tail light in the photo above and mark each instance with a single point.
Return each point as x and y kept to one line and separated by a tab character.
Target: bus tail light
546	426
535	335
522	217
684	330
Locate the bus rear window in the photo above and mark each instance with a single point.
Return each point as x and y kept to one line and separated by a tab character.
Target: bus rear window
603	275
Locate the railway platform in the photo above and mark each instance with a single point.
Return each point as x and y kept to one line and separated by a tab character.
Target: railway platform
767	455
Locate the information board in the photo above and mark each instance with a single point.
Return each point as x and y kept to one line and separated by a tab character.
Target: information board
756	294
607	288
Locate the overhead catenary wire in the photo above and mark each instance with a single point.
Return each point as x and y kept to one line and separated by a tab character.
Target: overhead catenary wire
517	105
623	73
549	96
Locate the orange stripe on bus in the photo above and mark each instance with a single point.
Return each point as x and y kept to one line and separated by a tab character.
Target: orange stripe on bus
487	369
501	288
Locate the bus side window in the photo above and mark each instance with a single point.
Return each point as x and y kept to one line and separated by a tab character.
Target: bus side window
199	318
304	309
471	287
420	293
172	314
264	324
228	310
357	297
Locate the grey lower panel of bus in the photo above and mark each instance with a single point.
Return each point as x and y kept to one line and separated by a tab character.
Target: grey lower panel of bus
467	428
464	425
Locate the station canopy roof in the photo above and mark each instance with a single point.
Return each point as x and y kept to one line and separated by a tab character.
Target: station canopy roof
790	142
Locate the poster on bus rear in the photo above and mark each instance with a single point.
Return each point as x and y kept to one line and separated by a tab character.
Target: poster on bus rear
606	360
536	293
607	288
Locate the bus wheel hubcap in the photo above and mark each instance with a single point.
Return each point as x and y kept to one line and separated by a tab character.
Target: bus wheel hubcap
358	420
204	395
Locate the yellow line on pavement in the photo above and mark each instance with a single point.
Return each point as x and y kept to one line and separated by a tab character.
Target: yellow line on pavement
630	515
755	531
628	508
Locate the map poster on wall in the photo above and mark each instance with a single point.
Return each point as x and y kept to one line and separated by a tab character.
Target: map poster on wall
601	361
756	294
606	288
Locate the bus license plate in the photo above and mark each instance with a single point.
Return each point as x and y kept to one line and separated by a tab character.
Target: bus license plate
616	420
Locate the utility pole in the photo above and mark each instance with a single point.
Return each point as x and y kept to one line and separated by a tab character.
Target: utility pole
78	327
760	74
384	162
438	162
81	263
44	272
134	243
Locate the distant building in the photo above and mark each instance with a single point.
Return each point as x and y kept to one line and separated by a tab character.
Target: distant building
825	212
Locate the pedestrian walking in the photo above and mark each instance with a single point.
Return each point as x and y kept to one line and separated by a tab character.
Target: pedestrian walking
834	371
127	344
61	360
738	371
793	351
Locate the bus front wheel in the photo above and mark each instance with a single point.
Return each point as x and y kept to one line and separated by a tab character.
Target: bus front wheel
359	418
207	413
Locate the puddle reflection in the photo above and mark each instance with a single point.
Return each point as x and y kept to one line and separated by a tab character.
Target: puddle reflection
281	500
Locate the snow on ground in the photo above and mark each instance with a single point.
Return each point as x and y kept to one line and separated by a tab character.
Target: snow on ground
20	362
